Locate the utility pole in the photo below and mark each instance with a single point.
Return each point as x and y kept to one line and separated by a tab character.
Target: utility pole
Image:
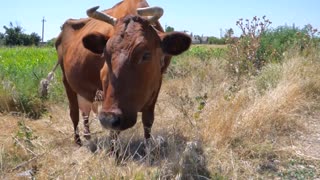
43	20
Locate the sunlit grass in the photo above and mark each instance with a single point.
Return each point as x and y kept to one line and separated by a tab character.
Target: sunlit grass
21	69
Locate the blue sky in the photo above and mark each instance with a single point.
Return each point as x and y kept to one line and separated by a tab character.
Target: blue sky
202	17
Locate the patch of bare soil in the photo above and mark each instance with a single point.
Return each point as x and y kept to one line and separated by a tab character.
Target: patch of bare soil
308	143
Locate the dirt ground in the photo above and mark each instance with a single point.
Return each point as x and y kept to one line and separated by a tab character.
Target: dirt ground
308	143
55	129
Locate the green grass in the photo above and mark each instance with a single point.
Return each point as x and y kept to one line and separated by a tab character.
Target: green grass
205	52
21	70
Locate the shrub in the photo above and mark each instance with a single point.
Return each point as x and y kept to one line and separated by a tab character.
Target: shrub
276	42
243	51
14	36
269	77
205	52
259	46
51	42
215	40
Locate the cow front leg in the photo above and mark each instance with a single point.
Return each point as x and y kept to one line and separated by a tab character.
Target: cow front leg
86	130
147	121
74	110
85	107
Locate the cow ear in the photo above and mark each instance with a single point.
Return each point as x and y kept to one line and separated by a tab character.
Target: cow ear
175	43
95	42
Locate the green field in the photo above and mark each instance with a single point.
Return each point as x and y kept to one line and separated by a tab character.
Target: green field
21	70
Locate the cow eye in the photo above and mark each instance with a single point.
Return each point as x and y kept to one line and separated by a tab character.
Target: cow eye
146	57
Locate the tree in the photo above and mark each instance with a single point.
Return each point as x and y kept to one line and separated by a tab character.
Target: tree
169	29
14	36
51	42
229	33
35	38
1	39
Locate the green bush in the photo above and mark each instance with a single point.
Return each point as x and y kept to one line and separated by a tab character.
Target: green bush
204	52
242	52
215	40
259	45
269	77
275	42
51	42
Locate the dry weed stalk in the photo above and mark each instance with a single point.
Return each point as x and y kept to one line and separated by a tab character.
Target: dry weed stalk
243	51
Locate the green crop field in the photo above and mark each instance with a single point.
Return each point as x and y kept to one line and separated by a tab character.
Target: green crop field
21	70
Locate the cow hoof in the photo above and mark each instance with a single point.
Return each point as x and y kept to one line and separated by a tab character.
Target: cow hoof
86	133
77	140
87	136
149	145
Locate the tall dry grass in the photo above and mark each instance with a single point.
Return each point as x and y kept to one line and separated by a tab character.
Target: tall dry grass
248	125
256	126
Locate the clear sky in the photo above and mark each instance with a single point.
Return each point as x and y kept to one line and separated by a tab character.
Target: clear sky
201	17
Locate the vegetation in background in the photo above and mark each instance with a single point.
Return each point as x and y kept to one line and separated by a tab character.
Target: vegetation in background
21	70
243	52
51	42
215	40
258	45
169	29
229	34
181	68
14	36
275	43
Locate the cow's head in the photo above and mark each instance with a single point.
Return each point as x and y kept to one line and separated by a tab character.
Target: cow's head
134	57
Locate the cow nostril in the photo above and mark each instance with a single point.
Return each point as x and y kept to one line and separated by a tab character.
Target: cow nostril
110	120
115	121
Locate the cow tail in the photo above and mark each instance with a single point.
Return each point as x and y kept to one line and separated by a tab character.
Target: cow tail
44	83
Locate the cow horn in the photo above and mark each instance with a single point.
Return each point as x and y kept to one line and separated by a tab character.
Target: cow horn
93	13
153	13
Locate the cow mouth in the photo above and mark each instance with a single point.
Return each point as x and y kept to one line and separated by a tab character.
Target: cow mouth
110	121
113	121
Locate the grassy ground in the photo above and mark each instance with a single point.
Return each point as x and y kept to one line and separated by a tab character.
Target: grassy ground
21	69
208	125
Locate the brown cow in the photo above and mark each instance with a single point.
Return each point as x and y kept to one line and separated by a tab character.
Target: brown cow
126	57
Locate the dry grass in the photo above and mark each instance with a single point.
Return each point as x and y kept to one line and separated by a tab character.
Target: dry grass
207	126
255	128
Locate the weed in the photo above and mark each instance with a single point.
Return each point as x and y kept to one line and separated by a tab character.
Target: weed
24	132
298	169
243	52
269	77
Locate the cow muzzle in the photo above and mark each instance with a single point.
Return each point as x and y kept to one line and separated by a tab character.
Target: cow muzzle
110	120
117	121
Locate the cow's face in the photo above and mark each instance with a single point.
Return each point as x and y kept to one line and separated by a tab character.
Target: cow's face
132	75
